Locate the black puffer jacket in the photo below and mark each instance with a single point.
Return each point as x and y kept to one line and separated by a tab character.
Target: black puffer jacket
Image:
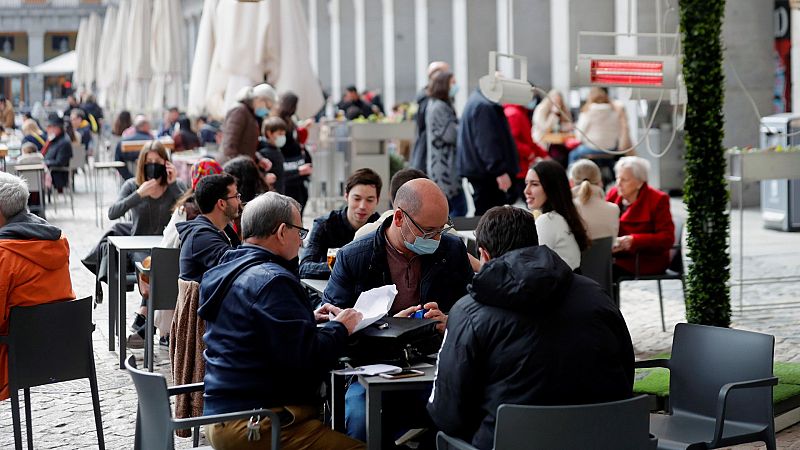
529	332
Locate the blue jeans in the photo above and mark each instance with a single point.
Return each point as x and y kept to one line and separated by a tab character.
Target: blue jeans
355	411
583	151
402	411
458	204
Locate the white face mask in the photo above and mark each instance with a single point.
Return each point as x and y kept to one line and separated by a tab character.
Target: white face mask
51	136
280	141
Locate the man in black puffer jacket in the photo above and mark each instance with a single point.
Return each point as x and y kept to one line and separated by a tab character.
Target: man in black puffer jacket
529	332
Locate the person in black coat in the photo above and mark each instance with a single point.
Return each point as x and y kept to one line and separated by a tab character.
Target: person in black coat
529	332
486	152
58	150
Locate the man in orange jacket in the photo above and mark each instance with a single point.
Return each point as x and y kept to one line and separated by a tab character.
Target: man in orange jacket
34	257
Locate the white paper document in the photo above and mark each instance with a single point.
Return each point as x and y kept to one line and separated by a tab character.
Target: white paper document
370	370
374	304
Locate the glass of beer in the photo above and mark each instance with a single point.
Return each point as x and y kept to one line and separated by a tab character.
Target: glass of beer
332	257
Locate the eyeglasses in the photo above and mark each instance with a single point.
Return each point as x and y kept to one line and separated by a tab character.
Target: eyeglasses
237	197
302	231
430	234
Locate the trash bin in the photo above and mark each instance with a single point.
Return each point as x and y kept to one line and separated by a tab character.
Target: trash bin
780	199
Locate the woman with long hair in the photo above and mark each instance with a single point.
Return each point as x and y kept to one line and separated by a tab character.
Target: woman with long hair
601	217
33	134
123	122
552	115
559	225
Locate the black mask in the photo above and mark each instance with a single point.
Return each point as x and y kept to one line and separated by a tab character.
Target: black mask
154	171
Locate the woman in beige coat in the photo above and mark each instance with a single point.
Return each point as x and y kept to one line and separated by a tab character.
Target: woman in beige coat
600	217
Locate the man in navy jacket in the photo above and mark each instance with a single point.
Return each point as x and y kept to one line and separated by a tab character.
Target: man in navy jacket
263	348
208	236
486	152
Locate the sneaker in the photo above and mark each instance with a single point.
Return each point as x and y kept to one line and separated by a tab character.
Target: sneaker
138	323
135	340
164	340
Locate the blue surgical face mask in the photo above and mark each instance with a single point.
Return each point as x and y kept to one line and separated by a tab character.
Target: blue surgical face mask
280	141
421	245
262	111
453	90
531	104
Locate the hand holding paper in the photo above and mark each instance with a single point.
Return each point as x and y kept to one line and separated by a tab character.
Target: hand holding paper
374	304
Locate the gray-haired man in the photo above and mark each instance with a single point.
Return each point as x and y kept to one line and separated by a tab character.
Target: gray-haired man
264	349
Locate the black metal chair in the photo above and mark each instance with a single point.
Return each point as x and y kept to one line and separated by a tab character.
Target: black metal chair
155	426
673	272
720	389
163	271
615	425
50	343
596	262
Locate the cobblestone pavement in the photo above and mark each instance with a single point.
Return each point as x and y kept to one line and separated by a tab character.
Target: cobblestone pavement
62	413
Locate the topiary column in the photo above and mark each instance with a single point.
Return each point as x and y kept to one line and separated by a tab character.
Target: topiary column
705	189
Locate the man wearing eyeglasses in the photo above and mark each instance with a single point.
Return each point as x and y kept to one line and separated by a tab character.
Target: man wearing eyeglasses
411	250
263	348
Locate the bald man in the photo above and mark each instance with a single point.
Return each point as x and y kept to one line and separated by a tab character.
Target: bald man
411	250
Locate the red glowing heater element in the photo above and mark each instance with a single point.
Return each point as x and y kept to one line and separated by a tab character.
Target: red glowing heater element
630	73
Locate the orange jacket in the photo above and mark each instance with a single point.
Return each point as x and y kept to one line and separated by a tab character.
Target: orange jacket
34	271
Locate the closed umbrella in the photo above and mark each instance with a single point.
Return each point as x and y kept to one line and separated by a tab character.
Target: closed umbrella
117	70
167	55
137	46
78	78
106	59
87	49
201	64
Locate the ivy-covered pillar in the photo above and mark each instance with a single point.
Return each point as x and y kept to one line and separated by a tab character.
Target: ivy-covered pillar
705	189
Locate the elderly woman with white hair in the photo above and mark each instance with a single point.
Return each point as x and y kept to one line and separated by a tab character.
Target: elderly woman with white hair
241	129
600	217
645	224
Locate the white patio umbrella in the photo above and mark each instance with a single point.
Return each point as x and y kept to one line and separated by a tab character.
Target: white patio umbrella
137	46
201	64
87	49
106	59
167	55
10	68
118	69
287	56
271	40
61	64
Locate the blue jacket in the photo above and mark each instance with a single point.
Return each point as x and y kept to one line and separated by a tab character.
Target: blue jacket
263	348
485	146
202	246
362	265
59	152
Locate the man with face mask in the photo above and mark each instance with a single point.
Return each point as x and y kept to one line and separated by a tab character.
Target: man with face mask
411	250
274	130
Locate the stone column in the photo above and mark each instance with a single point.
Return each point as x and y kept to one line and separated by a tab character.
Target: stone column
35	57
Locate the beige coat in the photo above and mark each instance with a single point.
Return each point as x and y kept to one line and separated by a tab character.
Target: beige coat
600	217
186	351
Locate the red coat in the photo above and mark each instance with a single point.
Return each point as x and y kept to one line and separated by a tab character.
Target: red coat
649	221
520	124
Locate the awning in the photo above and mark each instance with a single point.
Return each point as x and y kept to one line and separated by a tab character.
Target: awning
65	63
11	68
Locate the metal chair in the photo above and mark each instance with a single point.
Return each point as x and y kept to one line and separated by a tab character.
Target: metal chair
34	175
673	272
164	268
155	426
596	262
50	343
719	389
466	223
615	425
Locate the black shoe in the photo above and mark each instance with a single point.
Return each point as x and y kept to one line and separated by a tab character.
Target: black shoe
138	323
164	341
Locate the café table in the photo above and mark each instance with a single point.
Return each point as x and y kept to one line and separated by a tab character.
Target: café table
375	387
118	249
317	286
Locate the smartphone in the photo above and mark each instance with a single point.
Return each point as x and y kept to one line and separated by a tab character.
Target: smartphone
405	373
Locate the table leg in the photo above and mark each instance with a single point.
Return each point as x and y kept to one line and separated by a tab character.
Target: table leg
337	402
111	276
122	266
374	426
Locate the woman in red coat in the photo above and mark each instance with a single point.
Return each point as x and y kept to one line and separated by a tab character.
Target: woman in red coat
645	224
519	121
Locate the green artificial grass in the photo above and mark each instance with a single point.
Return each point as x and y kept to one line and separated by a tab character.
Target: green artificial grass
656	381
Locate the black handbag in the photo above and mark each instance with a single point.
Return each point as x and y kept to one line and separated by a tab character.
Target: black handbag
398	341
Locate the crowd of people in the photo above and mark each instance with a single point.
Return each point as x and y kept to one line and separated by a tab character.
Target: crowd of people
518	320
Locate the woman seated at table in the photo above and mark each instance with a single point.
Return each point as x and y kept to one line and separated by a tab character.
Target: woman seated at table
559	225
645	226
149	197
600	217
184	137
552	116
33	134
